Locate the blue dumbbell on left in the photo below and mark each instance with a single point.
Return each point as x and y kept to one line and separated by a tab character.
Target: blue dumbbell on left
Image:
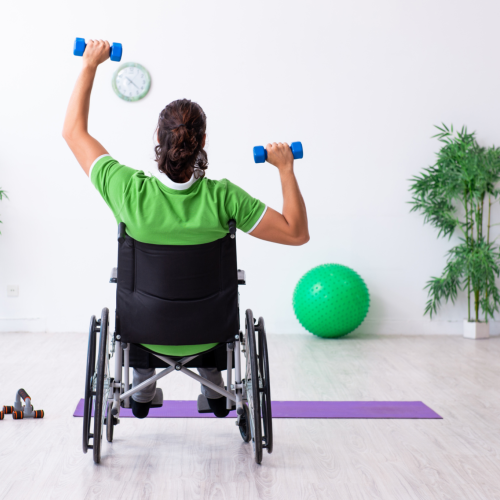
115	51
260	152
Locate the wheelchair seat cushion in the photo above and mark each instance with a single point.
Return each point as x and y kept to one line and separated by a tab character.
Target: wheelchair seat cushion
179	350
141	356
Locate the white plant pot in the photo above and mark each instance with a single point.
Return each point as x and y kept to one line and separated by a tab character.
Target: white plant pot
473	330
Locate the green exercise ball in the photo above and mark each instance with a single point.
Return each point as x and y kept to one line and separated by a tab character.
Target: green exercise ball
331	300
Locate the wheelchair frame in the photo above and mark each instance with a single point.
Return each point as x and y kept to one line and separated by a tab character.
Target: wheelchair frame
106	395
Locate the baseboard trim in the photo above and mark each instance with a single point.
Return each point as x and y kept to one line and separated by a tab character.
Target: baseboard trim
370	326
419	327
23	325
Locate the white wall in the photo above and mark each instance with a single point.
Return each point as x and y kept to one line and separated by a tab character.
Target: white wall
360	83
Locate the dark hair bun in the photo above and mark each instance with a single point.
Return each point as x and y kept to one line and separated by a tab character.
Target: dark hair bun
181	128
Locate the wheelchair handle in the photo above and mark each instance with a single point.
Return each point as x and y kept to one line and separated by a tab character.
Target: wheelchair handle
232	228
121	231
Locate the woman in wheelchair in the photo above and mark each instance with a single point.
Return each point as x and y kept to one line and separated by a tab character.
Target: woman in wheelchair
177	287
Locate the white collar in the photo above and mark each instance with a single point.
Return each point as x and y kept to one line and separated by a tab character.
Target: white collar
178	186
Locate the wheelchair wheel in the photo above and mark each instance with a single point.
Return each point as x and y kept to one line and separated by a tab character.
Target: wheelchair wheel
89	385
102	386
252	383
110	423
244	425
265	387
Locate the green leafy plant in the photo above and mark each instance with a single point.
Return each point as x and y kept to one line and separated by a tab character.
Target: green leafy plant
456	194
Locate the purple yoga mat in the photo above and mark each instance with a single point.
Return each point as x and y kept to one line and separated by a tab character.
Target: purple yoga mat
299	409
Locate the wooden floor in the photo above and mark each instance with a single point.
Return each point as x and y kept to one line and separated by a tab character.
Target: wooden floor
455	458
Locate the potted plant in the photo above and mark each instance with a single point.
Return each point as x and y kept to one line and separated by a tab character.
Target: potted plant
456	194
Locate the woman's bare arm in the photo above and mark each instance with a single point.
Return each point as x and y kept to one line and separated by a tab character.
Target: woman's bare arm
289	228
75	131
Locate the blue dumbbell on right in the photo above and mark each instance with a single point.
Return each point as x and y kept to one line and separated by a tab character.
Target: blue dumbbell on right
115	51
260	152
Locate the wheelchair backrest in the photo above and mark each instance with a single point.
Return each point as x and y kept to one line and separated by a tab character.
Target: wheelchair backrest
177	295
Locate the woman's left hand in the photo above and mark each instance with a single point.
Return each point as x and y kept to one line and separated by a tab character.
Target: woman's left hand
96	52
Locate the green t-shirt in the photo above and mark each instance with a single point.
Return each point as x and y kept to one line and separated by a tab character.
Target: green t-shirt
159	211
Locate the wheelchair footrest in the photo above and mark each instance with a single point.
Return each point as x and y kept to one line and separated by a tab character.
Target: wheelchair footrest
158	399
203	406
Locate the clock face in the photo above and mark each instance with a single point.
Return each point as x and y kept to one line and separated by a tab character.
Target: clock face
131	82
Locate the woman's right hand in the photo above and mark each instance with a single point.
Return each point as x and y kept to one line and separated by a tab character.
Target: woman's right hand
96	52
280	155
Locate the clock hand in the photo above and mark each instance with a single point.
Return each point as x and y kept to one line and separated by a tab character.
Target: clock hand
131	82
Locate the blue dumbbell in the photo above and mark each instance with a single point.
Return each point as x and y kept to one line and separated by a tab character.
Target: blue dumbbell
260	152
115	51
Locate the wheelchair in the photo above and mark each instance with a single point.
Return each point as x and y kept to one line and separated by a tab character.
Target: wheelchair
169	295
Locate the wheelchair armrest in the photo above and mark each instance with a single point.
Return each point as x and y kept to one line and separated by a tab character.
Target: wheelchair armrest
114	275
242	279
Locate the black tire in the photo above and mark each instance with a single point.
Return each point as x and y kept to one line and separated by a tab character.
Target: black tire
244	425
265	390
102	365
89	394
252	382
110	423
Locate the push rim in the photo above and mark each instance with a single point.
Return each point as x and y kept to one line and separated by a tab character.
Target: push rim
89	380
253	393
265	387
101	390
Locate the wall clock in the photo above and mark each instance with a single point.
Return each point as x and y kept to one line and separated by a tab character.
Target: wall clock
131	81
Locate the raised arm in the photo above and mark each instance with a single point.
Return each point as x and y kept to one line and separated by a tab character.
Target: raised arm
289	228
85	148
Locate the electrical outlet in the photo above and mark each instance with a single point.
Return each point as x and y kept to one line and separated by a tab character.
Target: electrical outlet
12	290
